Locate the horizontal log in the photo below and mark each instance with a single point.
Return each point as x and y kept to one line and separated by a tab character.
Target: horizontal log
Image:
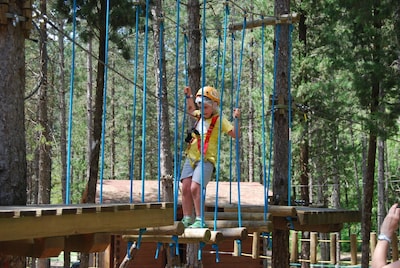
190	235
176	229
271	20
273	210
251	226
246	216
239	233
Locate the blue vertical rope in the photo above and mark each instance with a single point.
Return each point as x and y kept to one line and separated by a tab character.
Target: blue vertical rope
237	123
266	190
180	155
176	167
203	82
220	112
144	117
231	107
71	105
135	78
160	110
103	123
290	116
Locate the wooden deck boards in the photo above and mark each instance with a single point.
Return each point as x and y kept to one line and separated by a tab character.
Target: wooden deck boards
30	222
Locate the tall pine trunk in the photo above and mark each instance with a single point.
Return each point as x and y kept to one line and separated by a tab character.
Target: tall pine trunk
280	242
12	130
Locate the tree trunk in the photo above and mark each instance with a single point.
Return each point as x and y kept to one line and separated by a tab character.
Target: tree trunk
194	75
12	130
369	179
44	132
94	148
280	242
250	133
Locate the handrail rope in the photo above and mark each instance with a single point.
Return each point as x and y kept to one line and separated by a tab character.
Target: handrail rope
160	110
176	167
135	78
266	190
71	102
203	83
271	133
221	114
144	108
237	123
290	116
103	122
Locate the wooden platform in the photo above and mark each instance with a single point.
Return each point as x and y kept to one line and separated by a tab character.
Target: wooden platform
301	218
46	230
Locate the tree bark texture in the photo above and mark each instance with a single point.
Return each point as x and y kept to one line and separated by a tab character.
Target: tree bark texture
13	166
280	241
90	193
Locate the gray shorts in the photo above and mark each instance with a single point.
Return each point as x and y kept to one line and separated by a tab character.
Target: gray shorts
195	173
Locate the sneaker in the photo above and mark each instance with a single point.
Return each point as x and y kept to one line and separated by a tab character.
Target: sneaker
197	224
187	221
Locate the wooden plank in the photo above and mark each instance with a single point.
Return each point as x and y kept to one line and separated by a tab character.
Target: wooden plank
82	219
313	216
284	224
246	216
251	226
284	211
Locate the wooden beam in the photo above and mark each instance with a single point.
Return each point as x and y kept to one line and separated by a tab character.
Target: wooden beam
269	20
313	216
38	248
17	223
251	226
285	224
87	243
284	211
246	216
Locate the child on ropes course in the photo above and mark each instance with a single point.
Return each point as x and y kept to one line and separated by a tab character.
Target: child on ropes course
206	126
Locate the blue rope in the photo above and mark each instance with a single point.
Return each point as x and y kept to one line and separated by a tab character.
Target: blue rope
290	117
237	124
180	155
231	108
103	127
266	190
71	105
135	78
144	118
176	167
203	76
160	111
220	112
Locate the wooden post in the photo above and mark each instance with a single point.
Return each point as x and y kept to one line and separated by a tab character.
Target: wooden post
255	252
353	249
333	248
395	249
294	251
372	242
313	247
